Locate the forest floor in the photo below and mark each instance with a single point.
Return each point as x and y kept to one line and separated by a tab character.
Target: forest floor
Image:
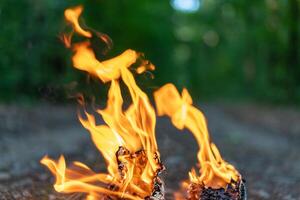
263	142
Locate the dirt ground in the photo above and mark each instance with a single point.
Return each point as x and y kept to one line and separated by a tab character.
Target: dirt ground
263	142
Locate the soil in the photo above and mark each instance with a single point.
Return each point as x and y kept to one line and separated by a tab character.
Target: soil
263	142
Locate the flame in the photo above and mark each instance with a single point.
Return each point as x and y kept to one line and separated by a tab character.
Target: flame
214	171
72	15
126	140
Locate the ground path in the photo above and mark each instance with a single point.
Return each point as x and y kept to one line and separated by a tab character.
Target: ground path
263	142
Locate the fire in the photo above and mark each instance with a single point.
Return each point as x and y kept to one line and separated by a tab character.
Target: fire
127	140
214	171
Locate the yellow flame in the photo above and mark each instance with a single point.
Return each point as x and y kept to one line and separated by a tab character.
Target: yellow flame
128	138
214	171
72	15
84	59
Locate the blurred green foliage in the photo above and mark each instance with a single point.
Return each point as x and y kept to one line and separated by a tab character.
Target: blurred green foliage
227	49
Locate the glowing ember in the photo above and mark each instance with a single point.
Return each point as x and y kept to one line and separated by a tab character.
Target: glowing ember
214	171
127	141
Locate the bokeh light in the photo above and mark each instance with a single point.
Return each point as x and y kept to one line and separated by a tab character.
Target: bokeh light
186	5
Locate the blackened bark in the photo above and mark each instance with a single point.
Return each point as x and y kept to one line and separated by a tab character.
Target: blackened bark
234	191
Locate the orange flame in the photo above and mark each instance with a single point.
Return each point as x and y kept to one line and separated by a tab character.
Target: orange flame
72	15
127	141
214	171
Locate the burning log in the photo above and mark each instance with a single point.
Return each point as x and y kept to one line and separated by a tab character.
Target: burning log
158	186
157	192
